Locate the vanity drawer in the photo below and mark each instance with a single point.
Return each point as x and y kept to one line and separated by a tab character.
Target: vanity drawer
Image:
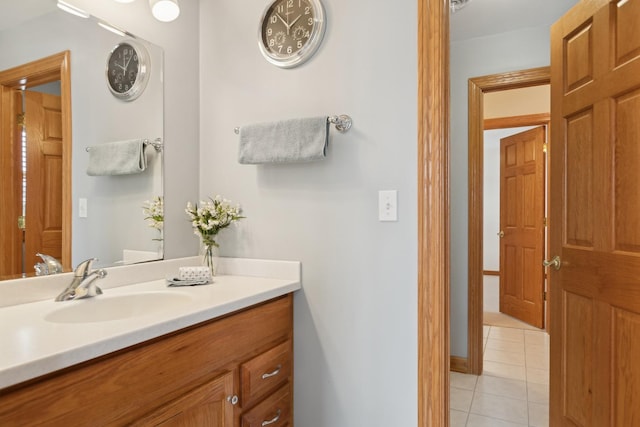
274	411
265	372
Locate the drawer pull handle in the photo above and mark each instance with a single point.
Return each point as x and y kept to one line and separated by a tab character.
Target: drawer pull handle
272	374
272	420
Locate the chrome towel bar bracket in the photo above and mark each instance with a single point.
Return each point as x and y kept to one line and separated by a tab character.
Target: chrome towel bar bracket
342	122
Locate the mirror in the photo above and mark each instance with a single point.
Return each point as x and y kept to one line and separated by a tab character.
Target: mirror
105	212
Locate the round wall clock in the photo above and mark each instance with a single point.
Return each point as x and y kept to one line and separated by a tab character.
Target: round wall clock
291	31
127	70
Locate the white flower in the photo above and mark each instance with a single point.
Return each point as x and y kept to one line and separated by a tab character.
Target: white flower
209	217
154	212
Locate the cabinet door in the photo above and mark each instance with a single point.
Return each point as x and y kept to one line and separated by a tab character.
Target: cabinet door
206	405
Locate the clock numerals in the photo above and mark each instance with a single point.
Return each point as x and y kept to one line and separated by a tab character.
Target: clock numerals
123	70
285	32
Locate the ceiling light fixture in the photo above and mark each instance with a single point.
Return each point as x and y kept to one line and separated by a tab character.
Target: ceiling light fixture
457	4
72	9
164	10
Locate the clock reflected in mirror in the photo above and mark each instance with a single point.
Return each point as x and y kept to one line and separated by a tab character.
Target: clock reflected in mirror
291	31
127	70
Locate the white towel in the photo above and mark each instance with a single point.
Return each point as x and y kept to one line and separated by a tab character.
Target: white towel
117	158
294	140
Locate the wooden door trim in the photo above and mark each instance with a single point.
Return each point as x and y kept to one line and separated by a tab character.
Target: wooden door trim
476	89
433	213
541	119
45	70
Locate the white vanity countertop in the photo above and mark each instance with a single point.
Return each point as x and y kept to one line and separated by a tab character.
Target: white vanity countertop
31	345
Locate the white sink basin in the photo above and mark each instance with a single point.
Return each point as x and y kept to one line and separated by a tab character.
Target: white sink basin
104	308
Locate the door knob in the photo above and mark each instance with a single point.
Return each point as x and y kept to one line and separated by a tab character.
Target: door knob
555	262
501	234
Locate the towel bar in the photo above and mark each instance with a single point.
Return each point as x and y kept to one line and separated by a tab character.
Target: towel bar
342	122
157	144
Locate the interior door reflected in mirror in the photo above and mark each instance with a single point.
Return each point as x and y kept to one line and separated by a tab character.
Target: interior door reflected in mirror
49	203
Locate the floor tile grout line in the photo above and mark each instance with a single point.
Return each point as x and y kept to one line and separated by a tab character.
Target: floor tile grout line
526	382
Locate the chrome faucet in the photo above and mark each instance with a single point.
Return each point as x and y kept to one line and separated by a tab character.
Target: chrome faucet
82	285
49	265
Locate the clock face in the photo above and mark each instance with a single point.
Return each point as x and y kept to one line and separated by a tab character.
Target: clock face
127	70
291	31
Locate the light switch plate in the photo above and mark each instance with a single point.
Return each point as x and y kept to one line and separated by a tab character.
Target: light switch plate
388	205
82	207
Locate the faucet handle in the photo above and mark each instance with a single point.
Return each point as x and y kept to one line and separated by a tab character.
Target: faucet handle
84	267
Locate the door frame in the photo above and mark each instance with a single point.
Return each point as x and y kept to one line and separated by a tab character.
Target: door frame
477	87
434	209
45	70
433	213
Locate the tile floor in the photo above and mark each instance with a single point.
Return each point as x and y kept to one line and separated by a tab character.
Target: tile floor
514	387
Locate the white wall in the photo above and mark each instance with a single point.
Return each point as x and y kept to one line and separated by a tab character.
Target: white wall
517	102
356	317
517	50
491	294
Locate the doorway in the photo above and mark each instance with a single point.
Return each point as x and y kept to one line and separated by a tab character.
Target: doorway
12	83
514	200
478	87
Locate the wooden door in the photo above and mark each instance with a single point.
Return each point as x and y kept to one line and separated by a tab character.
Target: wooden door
595	215
206	405
43	218
522	226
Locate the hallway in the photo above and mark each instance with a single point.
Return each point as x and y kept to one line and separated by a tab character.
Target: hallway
514	387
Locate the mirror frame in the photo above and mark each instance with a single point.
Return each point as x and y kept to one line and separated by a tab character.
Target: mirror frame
51	68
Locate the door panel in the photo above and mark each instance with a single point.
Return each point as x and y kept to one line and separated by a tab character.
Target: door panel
626	330
579	198
627	151
521	220
578	336
595	215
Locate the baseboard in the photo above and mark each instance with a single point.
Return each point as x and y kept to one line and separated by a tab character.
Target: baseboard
458	364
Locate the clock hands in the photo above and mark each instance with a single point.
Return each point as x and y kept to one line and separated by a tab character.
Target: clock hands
125	61
286	23
283	21
126	67
295	20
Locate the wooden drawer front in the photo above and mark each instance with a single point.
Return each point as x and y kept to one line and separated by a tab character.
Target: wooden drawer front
265	372
274	411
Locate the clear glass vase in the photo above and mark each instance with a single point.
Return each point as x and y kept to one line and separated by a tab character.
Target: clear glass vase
209	254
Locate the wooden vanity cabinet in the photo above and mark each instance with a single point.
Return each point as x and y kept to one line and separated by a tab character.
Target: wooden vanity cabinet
234	371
